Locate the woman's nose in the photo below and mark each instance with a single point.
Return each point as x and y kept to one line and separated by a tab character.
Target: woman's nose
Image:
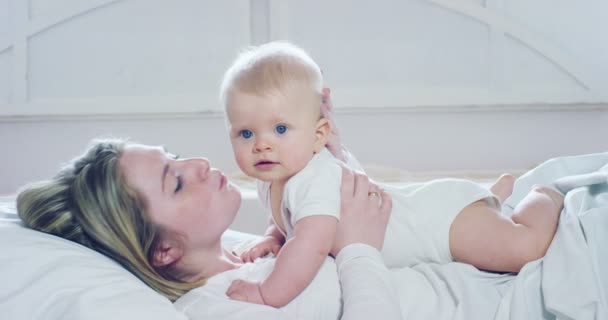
200	166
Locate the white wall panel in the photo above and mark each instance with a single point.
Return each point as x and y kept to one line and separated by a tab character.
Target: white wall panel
5	22
6	54
364	44
75	57
576	30
448	52
530	77
5	76
138	56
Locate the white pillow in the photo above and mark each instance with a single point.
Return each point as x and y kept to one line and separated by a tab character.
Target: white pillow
47	277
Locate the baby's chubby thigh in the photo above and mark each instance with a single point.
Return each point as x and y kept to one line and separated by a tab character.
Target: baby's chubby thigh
419	226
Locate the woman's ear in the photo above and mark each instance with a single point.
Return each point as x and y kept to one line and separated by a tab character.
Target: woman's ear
166	253
322	132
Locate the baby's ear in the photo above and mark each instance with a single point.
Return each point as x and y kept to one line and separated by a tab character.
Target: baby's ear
322	131
166	253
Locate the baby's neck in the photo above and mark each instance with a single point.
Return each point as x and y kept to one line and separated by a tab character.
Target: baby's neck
277	185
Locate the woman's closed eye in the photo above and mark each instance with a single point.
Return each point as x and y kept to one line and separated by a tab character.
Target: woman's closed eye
178	178
178	183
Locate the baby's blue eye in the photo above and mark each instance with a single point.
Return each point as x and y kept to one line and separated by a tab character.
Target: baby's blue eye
281	129
246	133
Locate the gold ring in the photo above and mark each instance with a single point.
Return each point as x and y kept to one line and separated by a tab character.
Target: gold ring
372	193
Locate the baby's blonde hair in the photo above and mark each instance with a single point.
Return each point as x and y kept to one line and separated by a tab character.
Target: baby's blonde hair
274	67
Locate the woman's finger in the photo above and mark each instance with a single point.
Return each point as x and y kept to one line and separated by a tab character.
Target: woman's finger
375	199
347	189
373	187
374	193
361	185
386	204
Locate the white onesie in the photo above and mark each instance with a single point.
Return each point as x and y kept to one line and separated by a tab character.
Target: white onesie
418	230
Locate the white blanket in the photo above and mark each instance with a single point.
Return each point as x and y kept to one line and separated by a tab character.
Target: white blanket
571	281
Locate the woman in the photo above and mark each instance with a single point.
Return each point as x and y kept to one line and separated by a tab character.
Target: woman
162	218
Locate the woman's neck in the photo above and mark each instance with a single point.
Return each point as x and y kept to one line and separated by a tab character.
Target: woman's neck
205	264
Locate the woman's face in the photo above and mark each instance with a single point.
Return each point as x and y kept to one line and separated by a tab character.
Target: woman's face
185	196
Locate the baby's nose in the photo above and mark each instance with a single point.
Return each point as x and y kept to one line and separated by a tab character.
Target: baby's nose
262	144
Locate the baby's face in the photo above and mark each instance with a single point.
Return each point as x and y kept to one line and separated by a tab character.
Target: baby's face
273	137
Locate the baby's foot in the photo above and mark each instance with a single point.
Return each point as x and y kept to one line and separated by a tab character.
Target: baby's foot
503	187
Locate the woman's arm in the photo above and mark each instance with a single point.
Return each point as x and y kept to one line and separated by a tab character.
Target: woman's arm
367	292
366	288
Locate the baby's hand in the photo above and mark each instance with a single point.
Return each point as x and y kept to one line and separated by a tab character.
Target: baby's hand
242	290
263	247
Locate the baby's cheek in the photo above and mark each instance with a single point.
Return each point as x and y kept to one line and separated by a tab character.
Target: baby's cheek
241	159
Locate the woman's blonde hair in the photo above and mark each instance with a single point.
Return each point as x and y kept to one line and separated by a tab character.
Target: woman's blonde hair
89	202
271	68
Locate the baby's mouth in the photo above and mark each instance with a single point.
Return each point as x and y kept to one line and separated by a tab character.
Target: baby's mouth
264	162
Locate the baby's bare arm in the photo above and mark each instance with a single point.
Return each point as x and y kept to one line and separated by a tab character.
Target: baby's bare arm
274	231
271	242
299	260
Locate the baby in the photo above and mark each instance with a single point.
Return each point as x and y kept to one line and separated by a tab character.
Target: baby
273	96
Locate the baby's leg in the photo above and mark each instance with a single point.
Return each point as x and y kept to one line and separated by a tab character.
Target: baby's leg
481	236
503	187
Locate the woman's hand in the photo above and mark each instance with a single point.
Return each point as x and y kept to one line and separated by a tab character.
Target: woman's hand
364	214
334	144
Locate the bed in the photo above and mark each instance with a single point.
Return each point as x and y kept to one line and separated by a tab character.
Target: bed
45	277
